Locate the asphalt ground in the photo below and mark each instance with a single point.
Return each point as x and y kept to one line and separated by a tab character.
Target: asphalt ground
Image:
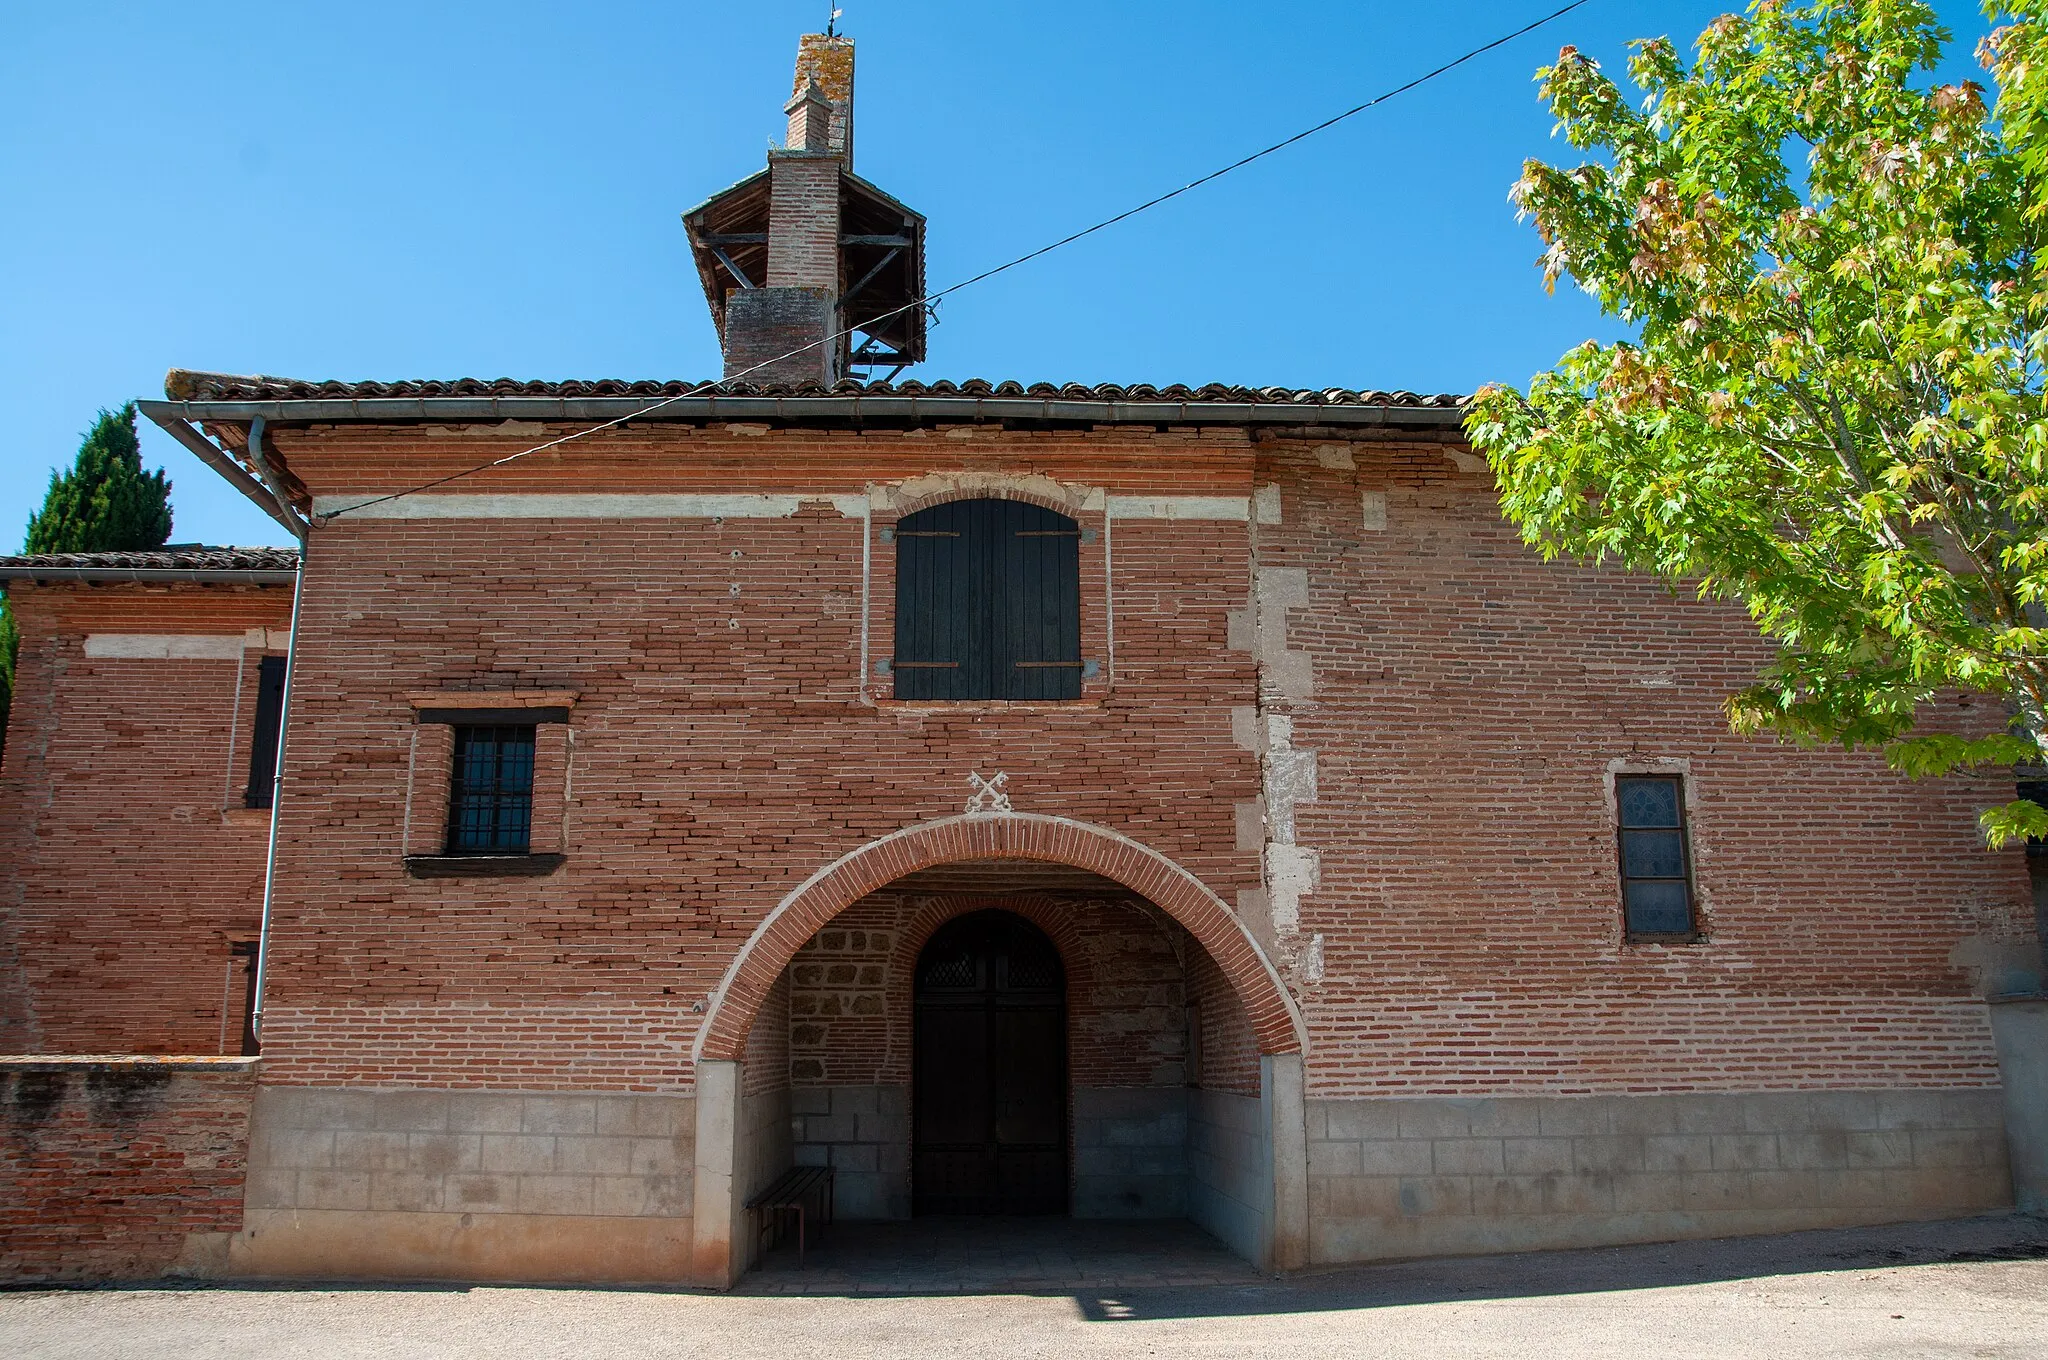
1976	1287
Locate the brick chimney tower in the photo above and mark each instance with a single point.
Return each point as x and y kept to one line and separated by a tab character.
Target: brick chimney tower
796	257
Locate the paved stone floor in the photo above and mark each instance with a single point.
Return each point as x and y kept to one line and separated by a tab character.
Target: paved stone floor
998	1255
1972	1288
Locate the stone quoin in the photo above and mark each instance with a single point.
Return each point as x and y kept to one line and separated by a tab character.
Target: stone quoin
1294	851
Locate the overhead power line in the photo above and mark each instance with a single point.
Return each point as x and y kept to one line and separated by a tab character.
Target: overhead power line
929	298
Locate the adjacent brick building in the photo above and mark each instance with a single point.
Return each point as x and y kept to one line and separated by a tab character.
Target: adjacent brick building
1346	879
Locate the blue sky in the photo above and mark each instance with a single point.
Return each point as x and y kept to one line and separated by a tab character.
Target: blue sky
458	189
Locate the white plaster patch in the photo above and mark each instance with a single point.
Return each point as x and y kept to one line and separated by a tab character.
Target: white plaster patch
1251	825
268	639
164	647
1336	456
1308	966
1292	871
750	431
1244	728
1181	507
571	506
1266	504
916	489
1290	778
1372	510
1469	462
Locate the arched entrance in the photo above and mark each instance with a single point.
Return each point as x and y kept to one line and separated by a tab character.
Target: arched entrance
989	1074
784	1075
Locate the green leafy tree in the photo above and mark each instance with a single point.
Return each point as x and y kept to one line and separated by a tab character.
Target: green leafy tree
105	503
1832	407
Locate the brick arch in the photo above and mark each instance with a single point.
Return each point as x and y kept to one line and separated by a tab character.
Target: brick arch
1275	1022
993	492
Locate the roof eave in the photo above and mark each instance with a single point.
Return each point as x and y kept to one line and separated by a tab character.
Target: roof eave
801	410
147	575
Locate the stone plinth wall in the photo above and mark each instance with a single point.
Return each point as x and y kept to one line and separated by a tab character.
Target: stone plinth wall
1130	1152
120	1168
863	1133
1392	1178
1229	1184
400	1183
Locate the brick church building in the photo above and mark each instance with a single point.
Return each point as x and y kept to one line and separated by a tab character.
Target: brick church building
1101	801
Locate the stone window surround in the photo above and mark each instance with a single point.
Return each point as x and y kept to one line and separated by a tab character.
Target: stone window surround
430	773
1679	768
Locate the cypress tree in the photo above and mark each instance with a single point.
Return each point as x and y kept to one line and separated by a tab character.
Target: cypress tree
106	502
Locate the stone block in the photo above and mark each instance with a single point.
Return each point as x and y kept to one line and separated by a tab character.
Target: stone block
515	1153
1536	1156
1745	1151
334	1190
480	1194
1711	1191
855	1100
555	1194
1357	1119
1508	1196
406	1192
1579	1194
1596	1154
1647	1192
370	1151
1707	1113
1644	1115
558	1114
1576	1116
1877	1149
1847	1110
1942	1148
1425	1196
594	1156
880	1128
1333	1159
1387	1157
658	1156
830	1128
1789	1189
642	1116
856	1157
1363	1196
1505	1117
1467	1156
296	1147
406	1111
483	1112
438	1154
1912	1110
1813	1151
272	1187
810	1100
893	1101
1856	1188
308	1107
1433	1119
1678	1152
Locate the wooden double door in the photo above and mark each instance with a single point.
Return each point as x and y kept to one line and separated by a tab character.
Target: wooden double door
989	1070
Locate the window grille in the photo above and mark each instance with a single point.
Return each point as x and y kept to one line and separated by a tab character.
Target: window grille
1656	864
490	795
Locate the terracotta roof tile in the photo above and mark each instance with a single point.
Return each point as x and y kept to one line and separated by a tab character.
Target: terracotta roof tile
182	385
177	557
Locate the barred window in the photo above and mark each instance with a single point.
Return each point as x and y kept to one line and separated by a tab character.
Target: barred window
1656	864
490	796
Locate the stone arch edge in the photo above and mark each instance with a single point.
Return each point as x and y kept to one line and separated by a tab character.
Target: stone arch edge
1276	1021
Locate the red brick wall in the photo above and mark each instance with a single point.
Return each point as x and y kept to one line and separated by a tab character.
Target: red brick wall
131	861
1467	702
722	749
106	1167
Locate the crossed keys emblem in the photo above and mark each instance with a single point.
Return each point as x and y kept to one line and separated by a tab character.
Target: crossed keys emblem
989	795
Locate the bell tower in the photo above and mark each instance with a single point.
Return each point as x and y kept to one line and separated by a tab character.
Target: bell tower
812	274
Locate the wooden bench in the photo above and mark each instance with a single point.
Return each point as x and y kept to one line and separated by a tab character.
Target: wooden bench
801	1191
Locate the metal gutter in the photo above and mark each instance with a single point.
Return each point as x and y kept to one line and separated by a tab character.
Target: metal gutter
801	410
145	575
205	450
284	731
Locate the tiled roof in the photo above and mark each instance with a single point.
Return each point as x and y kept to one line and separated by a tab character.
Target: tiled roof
176	558
182	385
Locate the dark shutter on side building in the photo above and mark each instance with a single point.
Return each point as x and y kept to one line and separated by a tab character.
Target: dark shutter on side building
263	740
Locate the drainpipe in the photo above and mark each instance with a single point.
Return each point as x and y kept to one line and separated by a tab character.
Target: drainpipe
284	727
